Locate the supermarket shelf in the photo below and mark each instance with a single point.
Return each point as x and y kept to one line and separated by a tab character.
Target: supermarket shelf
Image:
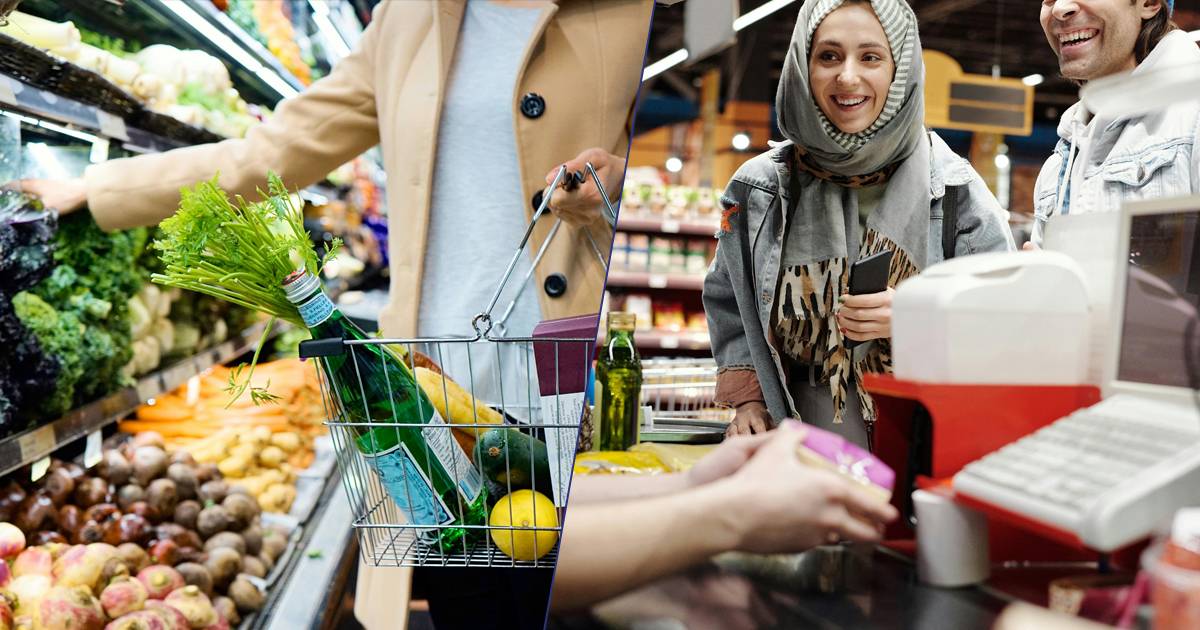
641	279
670	340
651	223
194	24
32	445
40	105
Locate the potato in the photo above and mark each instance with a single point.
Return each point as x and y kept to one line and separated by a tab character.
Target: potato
226	539
223	564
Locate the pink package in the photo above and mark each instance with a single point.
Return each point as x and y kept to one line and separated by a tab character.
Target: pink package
830	450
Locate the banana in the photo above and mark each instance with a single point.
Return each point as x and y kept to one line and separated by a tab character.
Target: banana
454	403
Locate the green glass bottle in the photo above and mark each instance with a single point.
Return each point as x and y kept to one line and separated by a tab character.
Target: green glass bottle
424	470
619	384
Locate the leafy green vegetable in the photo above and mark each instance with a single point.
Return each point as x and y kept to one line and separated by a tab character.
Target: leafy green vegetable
59	334
240	252
93	279
28	373
115	45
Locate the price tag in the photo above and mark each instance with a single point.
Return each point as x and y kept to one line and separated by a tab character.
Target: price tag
92	453
657	281
149	387
112	126
8	93
39	468
36	443
670	342
670	226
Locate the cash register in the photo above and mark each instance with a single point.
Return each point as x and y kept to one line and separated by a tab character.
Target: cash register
1110	474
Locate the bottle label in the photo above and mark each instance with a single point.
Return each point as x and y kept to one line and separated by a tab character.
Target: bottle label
452	458
316	310
409	487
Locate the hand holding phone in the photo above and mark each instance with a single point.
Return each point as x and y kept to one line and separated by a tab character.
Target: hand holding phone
867	276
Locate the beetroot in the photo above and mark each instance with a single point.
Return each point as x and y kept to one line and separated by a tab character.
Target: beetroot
165	552
124	595
173	618
141	620
5	575
114	568
220	624
12	541
83	565
194	605
70	608
33	561
134	557
29	590
160	580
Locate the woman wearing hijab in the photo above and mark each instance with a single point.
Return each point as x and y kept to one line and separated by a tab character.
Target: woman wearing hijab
858	174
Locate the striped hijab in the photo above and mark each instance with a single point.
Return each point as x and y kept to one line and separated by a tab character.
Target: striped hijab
894	135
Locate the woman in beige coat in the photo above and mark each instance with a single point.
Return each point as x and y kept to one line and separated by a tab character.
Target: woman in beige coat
575	71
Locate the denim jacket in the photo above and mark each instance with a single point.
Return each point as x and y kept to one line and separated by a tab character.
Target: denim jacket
1142	157
739	290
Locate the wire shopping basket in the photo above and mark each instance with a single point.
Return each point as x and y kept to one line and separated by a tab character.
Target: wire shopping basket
461	452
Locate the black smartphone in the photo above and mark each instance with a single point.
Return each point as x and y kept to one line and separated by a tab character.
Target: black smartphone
869	275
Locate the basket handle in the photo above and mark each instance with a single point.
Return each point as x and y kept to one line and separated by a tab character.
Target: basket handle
482	323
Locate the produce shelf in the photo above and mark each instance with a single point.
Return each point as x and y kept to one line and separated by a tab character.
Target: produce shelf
671	340
194	24
45	104
653	223
34	444
313	578
644	280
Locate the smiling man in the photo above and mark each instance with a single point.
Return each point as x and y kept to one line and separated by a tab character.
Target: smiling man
1102	161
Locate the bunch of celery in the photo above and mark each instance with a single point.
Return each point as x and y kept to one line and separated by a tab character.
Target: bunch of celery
239	251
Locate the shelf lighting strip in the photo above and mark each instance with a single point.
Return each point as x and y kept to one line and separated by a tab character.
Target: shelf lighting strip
338	48
233	49
742	21
66	131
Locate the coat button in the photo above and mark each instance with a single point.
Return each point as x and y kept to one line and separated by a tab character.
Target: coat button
555	285
536	200
533	105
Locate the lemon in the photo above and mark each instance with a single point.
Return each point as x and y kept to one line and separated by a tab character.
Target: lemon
519	510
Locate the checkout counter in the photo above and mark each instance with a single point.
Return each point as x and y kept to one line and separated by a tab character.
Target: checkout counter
955	399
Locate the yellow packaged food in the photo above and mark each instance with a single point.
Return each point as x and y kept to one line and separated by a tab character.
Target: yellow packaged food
676	457
618	463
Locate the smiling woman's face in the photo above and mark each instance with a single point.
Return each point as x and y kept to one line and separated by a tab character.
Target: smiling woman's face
851	67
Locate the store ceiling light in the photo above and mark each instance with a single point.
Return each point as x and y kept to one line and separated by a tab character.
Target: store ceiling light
664	64
741	141
742	21
338	48
233	49
1003	162
1033	80
674	164
750	17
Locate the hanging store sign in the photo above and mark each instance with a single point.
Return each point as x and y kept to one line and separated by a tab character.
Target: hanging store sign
974	102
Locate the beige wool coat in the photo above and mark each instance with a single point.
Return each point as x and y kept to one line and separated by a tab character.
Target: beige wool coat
584	60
